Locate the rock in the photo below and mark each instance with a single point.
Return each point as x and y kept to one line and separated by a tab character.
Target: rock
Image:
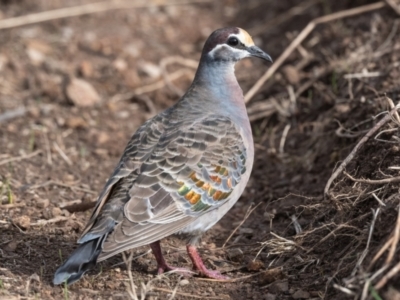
42	203
274	276
24	222
246	230
11	246
34	277
81	93
291	74
76	122
120	64
342	108
37	51
102	138
279	287
56	212
300	294
255	265
183	282
86	69
46	213
269	297
150	69
235	254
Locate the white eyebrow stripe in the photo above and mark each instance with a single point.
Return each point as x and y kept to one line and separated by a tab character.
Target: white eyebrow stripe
240	53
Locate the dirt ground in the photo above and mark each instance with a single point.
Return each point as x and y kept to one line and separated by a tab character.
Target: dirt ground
73	90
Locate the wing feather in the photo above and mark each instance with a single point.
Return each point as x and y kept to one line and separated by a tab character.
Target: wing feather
171	173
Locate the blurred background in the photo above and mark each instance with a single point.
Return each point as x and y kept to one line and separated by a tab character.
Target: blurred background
78	77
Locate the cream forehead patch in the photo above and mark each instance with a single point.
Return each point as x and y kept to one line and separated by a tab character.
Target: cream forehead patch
245	37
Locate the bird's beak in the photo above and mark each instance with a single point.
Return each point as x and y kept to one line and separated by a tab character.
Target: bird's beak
257	52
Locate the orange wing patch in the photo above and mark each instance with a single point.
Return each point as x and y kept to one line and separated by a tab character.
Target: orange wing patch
193	198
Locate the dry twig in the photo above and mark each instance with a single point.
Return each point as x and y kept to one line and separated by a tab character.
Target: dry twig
11	114
303	34
358	146
85	9
19	158
394	5
369	181
191	296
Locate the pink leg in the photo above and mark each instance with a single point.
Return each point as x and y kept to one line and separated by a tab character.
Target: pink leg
199	266
162	265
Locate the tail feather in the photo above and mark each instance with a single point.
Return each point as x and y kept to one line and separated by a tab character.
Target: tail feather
80	261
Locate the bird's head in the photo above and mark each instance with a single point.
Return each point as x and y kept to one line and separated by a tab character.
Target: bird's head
232	44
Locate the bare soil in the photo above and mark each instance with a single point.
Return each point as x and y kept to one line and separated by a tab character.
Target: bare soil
57	151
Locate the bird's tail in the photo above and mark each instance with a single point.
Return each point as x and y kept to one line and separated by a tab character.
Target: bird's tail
80	261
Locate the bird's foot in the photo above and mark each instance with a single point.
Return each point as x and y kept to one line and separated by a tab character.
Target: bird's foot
162	266
212	274
161	269
199	266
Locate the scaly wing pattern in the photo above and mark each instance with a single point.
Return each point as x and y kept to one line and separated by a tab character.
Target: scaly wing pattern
171	173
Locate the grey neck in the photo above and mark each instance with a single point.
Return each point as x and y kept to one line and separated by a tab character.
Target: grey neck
216	82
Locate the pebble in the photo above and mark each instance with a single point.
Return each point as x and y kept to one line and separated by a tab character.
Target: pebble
81	93
255	265
269	297
291	74
300	294
183	282
56	211
235	254
42	203
24	222
279	287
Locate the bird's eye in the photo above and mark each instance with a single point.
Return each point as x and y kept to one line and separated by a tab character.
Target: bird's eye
233	41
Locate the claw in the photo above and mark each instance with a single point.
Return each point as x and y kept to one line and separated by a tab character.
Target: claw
199	266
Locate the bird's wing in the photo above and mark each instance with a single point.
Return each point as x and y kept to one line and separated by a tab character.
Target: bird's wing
171	173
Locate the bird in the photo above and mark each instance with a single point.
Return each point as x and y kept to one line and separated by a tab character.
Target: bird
182	170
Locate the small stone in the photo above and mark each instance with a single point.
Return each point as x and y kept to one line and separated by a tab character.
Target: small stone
35	56
34	277
81	93
120	64
46	213
291	74
11	246
235	254
183	282
255	265
76	122
65	213
300	294
274	276
102	138
212	246
86	69
279	287
150	69
56	212
42	203
24	222
269	297
342	108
